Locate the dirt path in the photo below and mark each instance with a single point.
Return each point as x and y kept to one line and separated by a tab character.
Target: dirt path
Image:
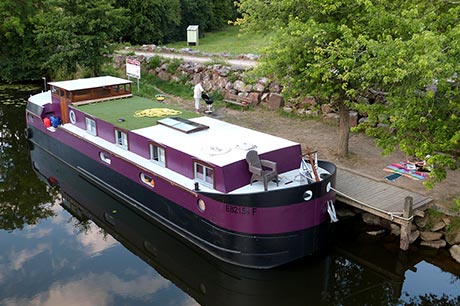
245	63
365	157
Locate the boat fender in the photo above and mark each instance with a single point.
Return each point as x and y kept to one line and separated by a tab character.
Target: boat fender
28	133
55	121
47	122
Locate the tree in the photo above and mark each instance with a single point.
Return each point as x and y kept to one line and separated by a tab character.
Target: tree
19	55
78	35
208	14
338	51
151	21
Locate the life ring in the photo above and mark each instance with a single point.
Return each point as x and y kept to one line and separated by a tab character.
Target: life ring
72	116
28	133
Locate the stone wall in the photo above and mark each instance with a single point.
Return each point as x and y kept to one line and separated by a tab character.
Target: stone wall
224	78
216	78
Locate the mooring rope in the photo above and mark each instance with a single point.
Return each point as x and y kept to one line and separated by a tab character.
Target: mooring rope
391	214
331	211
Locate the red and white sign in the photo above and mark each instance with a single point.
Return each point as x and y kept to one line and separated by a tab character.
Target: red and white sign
133	68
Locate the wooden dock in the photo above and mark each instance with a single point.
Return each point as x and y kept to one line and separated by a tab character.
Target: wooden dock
381	199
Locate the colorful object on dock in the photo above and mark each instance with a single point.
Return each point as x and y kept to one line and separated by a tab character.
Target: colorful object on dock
406	170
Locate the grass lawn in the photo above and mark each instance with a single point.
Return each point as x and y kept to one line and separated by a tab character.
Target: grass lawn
125	109
229	40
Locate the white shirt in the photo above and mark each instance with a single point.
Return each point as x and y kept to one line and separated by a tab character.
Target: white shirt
197	91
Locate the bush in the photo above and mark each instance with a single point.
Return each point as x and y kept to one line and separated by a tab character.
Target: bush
173	65
154	62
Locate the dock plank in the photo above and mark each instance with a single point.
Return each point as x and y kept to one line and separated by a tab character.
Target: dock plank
376	197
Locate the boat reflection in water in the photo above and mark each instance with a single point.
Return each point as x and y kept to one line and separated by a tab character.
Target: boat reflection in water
206	279
321	280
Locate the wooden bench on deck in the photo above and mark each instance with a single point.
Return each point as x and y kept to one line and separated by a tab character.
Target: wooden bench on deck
237	100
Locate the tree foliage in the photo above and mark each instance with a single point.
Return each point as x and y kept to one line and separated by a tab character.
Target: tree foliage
77	35
339	50
151	21
19	56
157	21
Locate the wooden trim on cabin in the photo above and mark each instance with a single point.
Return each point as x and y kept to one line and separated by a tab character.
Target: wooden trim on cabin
101	99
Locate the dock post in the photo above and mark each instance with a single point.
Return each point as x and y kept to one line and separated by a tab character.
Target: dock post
406	224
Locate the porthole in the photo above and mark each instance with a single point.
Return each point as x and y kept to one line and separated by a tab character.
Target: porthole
307	195
328	187
105	157
147	180
72	116
201	205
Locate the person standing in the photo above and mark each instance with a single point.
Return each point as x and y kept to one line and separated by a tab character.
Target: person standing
197	92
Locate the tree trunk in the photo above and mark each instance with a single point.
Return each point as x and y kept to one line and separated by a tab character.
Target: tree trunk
344	130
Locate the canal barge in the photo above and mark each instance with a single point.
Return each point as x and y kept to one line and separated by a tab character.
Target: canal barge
246	197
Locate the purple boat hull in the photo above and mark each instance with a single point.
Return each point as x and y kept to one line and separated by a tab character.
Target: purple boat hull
260	230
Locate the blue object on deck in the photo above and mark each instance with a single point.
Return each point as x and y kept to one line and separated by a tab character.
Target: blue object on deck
55	121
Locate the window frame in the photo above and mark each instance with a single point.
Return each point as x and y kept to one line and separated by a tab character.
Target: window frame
156	149
205	180
124	144
90	130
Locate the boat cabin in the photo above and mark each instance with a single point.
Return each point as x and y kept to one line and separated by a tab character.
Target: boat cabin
90	90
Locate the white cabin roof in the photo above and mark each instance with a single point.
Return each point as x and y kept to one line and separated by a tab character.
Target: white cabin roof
89	83
222	144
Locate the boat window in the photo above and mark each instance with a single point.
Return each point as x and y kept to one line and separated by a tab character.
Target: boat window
147	180
35	108
204	174
157	154
121	139
183	125
105	157
91	126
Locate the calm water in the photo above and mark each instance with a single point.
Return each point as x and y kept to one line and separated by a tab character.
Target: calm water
76	245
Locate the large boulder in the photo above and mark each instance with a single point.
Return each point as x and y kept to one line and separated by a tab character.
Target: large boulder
163	75
455	252
438	226
275	101
430	236
239	85
453	237
436	244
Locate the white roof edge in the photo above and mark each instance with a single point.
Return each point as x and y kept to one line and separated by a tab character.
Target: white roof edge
89	83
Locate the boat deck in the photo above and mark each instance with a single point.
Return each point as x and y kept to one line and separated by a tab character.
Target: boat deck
121	112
